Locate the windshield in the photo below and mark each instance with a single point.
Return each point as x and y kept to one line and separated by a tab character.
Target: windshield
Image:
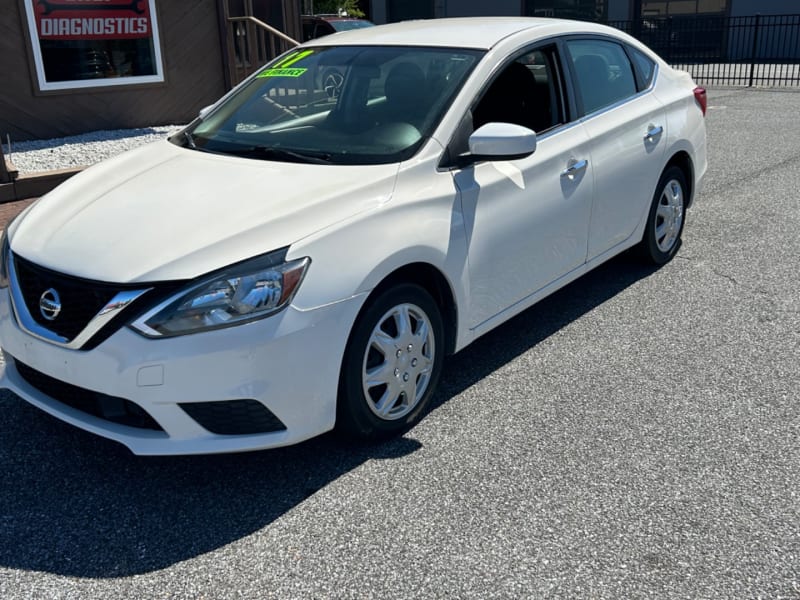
344	105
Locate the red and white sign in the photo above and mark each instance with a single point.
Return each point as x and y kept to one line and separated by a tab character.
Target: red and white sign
92	19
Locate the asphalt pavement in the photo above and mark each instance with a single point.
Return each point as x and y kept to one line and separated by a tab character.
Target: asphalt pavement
636	435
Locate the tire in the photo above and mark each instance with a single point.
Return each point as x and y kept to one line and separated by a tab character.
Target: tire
662	234
391	365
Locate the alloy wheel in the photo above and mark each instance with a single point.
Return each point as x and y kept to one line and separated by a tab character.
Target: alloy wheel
398	362
669	216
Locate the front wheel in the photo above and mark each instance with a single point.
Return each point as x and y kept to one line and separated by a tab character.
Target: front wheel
662	235
391	364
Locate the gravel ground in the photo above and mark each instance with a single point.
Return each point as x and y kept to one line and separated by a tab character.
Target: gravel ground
81	150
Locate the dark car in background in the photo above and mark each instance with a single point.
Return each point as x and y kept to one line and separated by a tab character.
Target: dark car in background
316	26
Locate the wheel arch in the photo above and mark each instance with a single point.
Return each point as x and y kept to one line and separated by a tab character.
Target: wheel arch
683	161
433	281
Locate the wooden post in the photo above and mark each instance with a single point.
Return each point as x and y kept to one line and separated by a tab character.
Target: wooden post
226	43
7	171
291	19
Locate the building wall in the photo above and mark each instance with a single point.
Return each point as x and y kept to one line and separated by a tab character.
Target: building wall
386	11
619	10
193	72
377	11
743	8
481	8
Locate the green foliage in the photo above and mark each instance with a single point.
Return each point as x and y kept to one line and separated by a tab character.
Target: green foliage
333	7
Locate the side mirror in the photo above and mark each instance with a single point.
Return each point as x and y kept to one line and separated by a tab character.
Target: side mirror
501	141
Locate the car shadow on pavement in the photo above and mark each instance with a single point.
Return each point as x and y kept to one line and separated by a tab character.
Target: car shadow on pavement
539	322
75	504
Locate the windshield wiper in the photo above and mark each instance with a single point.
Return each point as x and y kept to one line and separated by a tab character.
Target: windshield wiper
189	140
281	154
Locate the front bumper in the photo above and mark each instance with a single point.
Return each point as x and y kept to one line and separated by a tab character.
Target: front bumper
289	362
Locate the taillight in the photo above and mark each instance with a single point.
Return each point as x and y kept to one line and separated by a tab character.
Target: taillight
702	99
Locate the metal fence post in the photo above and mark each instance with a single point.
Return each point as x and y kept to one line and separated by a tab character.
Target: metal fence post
754	50
669	39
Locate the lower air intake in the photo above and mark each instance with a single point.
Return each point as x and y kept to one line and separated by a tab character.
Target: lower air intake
102	406
234	417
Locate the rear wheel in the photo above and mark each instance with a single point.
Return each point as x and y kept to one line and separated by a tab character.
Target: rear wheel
662	235
391	365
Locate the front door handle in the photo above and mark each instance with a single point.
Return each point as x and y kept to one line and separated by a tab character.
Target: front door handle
574	167
653	132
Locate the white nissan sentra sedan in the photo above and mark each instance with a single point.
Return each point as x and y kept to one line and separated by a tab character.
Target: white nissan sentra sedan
295	261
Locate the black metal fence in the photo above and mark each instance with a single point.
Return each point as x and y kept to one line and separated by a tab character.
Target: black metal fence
761	50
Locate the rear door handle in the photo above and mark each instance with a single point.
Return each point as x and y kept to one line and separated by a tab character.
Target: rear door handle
574	167
653	132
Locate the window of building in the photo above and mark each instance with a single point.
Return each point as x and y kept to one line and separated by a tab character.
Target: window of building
585	10
93	43
666	8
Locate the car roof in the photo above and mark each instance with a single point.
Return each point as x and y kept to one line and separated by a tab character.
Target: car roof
465	32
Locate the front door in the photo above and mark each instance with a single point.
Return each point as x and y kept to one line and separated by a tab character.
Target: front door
526	220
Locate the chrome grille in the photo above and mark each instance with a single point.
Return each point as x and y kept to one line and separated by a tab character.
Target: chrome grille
82	312
81	299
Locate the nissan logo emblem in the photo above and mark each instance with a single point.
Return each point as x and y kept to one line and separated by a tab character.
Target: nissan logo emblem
50	304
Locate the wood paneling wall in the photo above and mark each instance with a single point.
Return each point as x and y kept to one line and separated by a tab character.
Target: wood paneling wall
193	69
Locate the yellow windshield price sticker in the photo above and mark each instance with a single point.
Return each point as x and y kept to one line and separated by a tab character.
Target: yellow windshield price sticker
293	58
282	68
282	73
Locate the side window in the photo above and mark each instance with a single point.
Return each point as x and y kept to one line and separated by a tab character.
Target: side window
644	65
527	92
603	72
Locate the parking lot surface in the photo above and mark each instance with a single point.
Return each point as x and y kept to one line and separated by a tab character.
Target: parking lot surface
635	435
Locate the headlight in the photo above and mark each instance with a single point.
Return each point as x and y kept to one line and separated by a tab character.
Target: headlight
244	292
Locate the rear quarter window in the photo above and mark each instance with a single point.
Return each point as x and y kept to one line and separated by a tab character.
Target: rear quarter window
645	66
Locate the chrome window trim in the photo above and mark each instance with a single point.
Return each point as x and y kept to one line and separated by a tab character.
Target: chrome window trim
569	91
580	120
619	103
100	320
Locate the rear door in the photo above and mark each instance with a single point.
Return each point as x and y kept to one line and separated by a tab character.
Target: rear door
626	125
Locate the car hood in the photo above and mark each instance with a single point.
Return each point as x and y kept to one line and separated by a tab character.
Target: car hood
163	212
